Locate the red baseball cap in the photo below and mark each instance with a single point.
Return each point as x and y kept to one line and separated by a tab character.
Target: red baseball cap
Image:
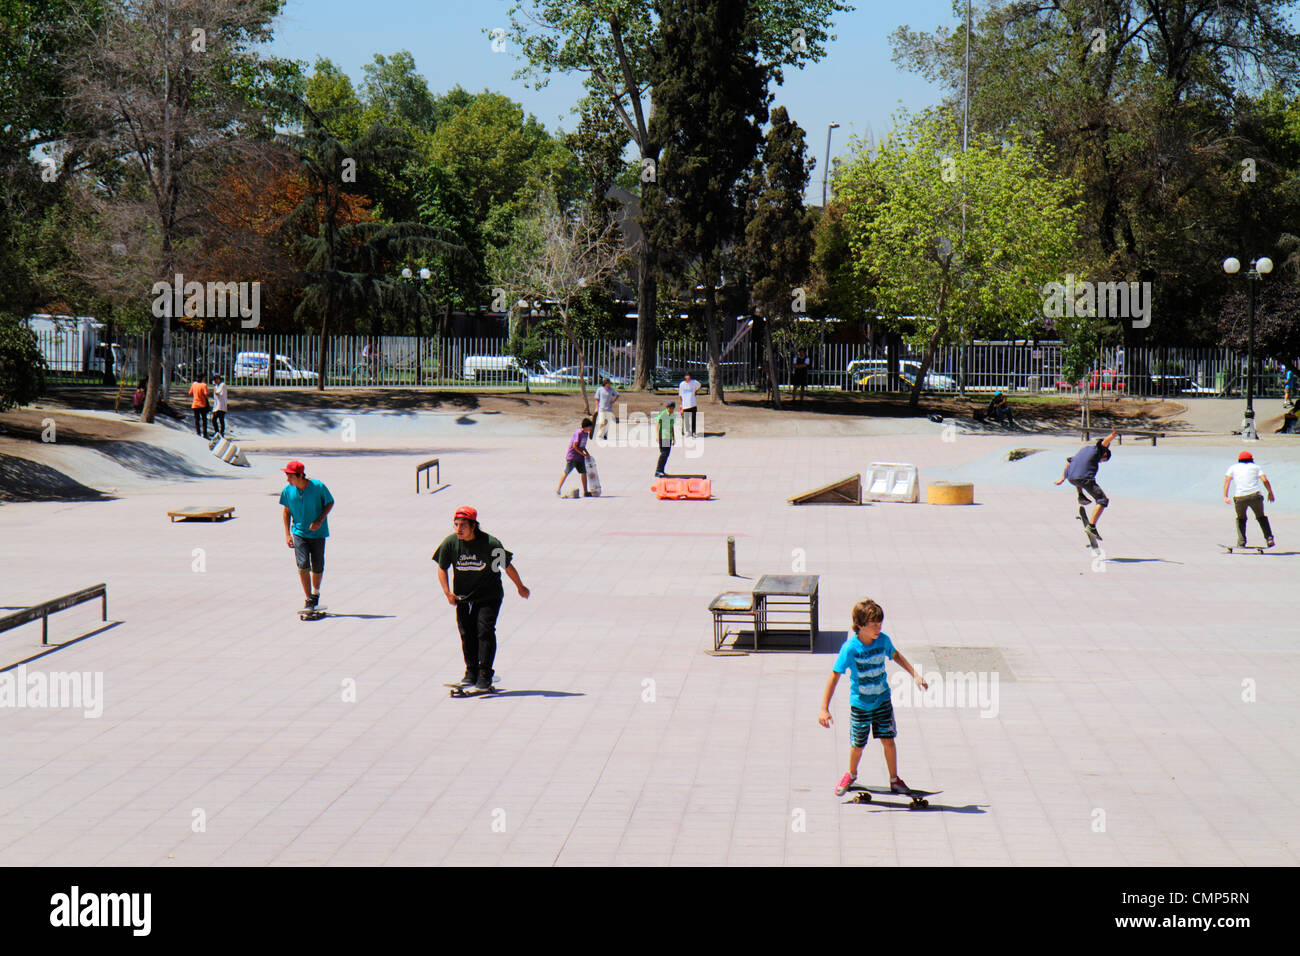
465	511
294	468
1245	456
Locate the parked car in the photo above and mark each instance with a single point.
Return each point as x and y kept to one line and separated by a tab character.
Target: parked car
867	373
568	375
1101	380
493	368
667	377
257	365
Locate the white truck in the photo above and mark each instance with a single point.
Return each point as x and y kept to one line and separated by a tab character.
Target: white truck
75	343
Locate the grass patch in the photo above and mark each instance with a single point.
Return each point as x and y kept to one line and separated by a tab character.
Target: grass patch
1016	454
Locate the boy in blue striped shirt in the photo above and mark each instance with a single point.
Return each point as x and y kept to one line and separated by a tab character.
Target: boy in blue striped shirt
863	657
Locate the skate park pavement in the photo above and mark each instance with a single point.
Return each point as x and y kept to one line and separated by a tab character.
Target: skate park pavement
1133	707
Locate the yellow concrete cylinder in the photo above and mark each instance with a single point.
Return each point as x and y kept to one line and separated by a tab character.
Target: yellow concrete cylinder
949	493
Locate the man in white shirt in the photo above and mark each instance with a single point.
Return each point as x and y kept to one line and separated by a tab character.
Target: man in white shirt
219	400
1248	477
606	396
686	390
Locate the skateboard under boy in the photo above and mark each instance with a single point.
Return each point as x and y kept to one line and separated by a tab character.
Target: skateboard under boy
1230	548
1087	528
312	614
469	690
916	796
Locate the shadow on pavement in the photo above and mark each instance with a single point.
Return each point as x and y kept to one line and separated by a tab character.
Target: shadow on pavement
24	480
534	693
879	804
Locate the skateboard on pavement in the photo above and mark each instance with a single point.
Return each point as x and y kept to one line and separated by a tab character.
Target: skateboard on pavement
1087	528
469	690
1258	548
916	796
312	614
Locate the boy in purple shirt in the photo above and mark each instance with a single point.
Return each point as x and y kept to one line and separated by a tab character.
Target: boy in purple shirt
575	458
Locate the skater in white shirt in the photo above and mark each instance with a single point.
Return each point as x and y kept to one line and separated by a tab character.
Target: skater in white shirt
1248	477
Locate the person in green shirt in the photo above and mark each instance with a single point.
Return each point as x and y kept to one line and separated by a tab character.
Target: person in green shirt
665	422
478	559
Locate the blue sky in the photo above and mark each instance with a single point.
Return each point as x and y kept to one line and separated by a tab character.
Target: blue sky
856	85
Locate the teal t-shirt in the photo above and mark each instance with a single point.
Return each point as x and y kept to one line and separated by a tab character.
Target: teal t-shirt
865	664
305	507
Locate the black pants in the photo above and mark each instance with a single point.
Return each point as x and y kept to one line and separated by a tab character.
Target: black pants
688	420
201	422
1254	503
477	621
663	457
219	422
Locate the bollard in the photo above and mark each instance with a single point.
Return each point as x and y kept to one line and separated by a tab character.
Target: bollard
731	555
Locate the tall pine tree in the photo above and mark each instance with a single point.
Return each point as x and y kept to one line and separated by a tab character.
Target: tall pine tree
710	106
778	240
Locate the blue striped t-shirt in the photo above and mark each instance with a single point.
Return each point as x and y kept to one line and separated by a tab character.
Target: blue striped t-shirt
865	664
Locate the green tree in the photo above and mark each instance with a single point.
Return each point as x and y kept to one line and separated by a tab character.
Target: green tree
156	93
954	243
1137	100
396	94
610	43
22	367
349	260
331	96
37	39
778	243
710	105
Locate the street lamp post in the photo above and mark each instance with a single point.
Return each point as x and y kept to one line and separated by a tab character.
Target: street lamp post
827	168
425	275
1258	269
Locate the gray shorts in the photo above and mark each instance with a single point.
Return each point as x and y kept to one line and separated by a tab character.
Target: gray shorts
575	464
1091	487
310	553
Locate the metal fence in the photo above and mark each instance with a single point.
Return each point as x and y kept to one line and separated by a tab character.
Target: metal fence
253	360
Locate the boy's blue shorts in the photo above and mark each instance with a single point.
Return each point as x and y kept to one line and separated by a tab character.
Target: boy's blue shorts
878	723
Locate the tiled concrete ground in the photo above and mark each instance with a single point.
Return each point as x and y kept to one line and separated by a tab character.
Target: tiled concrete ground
1146	712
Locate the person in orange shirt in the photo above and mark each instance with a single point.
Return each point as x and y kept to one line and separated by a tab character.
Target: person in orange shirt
199	405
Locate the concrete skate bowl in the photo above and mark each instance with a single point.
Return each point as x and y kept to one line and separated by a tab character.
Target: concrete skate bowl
24	480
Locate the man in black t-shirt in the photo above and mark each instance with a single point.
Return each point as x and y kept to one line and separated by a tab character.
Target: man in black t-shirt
478	560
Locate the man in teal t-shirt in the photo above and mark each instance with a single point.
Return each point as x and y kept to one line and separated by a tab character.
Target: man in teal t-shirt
307	504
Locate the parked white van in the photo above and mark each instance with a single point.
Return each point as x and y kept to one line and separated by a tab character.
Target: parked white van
493	368
257	365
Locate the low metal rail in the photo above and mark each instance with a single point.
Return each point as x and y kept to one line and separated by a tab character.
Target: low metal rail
46	608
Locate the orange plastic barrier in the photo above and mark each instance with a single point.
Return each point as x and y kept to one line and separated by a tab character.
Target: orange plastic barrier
697	489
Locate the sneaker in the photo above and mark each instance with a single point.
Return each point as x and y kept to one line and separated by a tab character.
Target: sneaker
309	605
314	600
1095	533
660	474
588	494
484	681
1270	543
898	786
469	679
846	781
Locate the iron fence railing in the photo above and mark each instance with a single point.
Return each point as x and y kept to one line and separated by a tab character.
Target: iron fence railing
263	359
